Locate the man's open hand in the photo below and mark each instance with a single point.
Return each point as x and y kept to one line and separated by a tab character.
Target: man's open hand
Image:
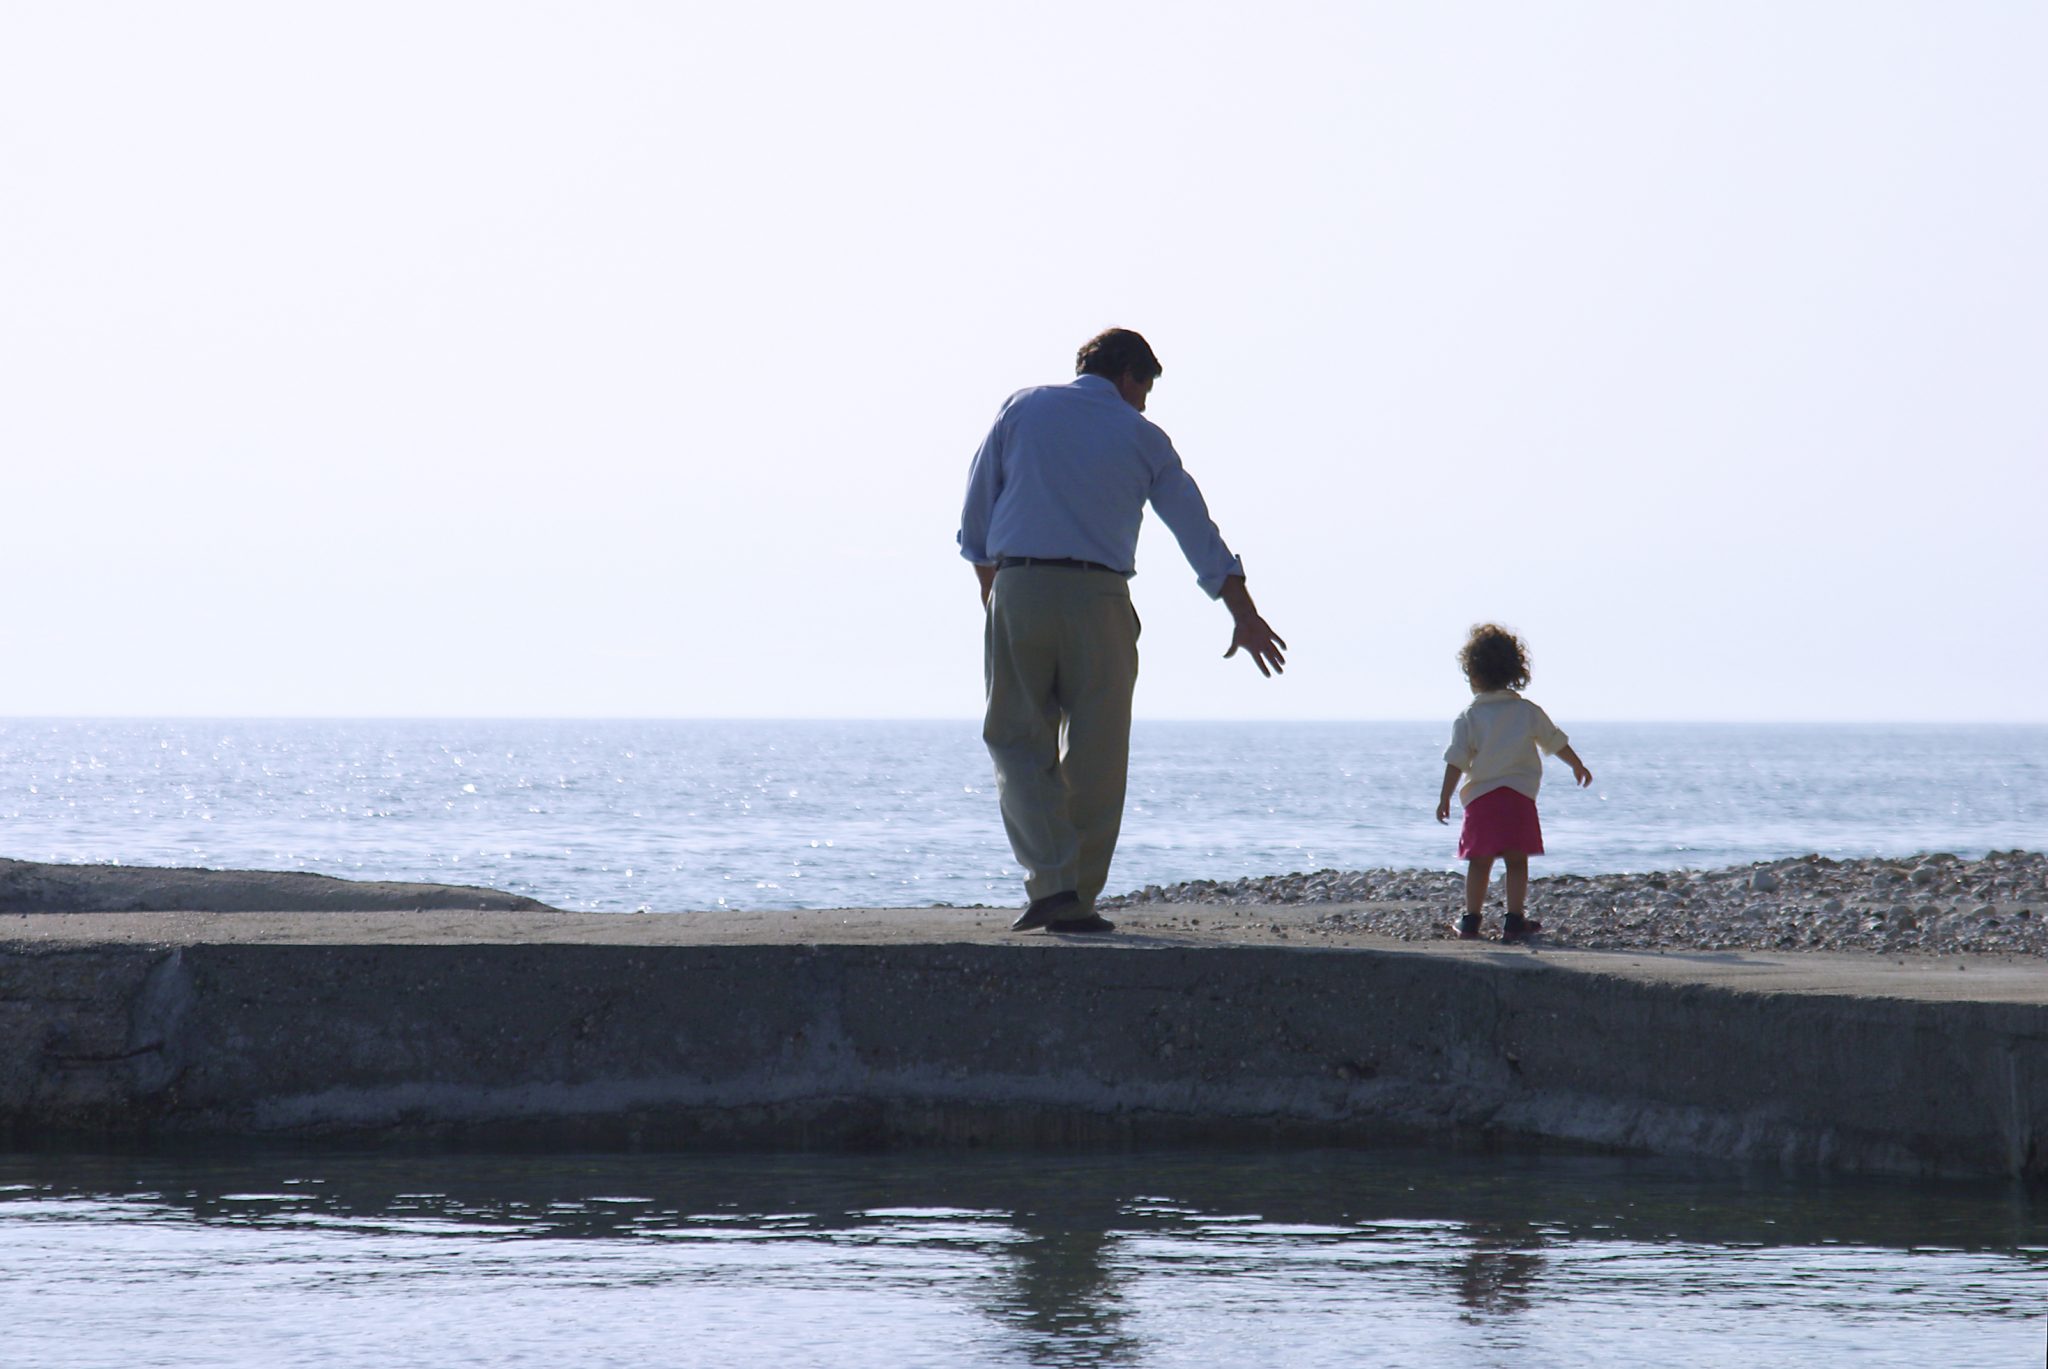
1251	632
1256	636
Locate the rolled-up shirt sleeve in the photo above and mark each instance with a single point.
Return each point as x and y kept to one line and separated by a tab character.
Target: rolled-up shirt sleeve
984	483
1178	501
1549	736
1459	752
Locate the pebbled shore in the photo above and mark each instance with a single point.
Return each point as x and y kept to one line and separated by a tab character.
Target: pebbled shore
1929	904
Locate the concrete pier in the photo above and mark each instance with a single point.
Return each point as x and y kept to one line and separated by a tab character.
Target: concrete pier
936	1026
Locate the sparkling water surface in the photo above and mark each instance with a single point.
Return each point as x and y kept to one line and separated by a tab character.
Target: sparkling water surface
683	815
1305	1258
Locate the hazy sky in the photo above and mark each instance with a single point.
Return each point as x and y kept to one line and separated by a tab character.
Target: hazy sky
610	359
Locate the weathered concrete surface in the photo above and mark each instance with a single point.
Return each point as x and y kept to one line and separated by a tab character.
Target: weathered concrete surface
34	887
936	1026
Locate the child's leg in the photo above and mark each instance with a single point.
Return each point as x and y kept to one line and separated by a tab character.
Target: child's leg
1514	926
1477	873
1515	875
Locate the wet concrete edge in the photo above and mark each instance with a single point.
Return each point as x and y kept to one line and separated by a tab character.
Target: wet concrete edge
833	1046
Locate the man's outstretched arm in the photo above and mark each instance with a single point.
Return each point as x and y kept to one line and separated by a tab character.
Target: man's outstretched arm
1250	631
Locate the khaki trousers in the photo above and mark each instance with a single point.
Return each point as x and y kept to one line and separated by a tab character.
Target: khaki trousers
1060	659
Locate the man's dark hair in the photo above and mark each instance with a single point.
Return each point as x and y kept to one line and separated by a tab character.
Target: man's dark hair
1115	351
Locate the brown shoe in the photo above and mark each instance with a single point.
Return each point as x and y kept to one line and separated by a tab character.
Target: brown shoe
1043	910
1515	927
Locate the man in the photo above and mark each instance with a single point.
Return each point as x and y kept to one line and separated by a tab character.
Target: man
1054	500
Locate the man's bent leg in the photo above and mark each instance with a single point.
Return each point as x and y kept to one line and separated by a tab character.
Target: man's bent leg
1020	666
1099	671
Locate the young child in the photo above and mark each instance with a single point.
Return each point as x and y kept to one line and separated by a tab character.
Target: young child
1495	744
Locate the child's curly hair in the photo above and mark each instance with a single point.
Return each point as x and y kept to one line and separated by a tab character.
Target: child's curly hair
1495	658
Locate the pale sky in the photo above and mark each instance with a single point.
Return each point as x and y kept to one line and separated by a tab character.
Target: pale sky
626	360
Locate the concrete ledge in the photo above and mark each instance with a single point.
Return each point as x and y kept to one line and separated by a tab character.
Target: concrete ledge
663	1040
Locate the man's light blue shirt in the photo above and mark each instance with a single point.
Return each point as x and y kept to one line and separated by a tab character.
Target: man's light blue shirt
1066	473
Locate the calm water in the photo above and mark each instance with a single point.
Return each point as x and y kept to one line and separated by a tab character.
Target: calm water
1318	1258
680	815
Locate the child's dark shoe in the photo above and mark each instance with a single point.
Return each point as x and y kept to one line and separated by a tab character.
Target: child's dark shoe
1467	927
1515	927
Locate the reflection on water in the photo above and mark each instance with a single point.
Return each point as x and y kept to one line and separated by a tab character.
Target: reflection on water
265	1257
1063	1293
1496	1278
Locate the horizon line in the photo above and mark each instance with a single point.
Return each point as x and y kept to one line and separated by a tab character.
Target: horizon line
969	720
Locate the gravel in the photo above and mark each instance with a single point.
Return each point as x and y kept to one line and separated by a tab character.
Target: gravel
1929	904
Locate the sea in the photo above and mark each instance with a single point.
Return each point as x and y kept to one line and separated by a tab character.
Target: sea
370	1255
672	816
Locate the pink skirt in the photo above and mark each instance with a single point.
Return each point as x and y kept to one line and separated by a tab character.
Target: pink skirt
1500	822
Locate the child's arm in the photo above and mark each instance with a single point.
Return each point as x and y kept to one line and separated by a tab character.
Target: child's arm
1579	770
1443	800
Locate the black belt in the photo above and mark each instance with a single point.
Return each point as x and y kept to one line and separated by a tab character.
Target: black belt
1063	562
